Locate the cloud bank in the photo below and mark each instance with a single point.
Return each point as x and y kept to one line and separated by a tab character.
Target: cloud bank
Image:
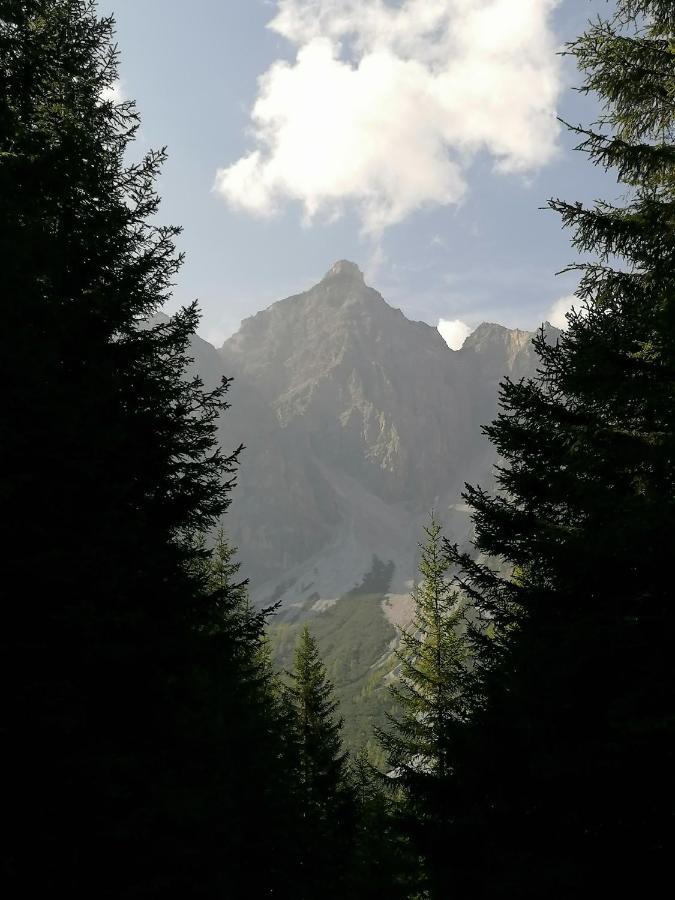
557	315
385	106
114	93
454	332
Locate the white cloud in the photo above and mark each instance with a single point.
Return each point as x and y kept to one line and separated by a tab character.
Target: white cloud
114	93
217	335
387	105
454	332
375	262
557	315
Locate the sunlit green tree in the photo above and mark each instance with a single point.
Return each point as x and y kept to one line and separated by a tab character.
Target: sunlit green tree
429	692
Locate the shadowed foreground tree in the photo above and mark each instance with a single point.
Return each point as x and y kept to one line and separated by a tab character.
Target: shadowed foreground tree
563	782
383	864
327	804
131	720
250	739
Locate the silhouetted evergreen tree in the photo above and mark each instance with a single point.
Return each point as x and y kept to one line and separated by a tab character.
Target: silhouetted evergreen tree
262	793
132	734
563	782
429	695
325	796
383	863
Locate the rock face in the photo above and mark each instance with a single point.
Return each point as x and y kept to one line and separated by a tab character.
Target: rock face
356	422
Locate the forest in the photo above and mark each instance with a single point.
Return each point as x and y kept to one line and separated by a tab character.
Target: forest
152	748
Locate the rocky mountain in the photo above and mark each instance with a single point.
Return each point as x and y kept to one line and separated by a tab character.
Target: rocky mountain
356	422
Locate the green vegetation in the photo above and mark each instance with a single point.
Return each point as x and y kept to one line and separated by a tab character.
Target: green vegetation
432	661
326	801
558	777
431	692
355	640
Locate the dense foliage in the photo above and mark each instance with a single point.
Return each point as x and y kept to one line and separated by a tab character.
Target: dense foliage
133	734
354	638
560	785
325	798
431	690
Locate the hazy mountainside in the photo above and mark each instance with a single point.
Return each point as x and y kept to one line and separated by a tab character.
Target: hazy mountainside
356	421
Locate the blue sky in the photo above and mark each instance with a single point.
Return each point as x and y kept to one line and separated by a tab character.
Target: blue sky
442	207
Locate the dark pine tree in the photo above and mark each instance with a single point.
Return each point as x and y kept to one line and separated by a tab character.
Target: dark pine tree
563	783
382	863
126	733
258	804
325	796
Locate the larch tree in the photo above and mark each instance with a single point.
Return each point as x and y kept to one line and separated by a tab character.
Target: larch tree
429	694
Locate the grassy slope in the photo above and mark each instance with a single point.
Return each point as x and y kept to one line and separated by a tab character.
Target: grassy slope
355	640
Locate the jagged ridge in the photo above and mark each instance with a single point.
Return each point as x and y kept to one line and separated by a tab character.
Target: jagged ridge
356	421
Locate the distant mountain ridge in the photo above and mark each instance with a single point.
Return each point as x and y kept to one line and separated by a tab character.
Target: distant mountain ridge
356	421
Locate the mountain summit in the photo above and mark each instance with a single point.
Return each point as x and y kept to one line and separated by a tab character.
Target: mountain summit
344	269
356	422
336	333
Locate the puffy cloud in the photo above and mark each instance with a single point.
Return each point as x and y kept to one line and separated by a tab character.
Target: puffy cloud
454	332
114	93
557	315
387	105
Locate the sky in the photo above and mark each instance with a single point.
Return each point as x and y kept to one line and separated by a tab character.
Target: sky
418	138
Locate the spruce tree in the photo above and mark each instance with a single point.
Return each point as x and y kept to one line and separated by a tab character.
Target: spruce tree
562	781
430	697
383	863
123	730
260	796
324	793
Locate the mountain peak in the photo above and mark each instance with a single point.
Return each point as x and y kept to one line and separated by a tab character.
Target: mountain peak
489	333
344	269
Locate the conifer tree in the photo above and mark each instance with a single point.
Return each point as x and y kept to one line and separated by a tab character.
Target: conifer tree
326	804
429	695
262	793
559	783
383	862
123	730
322	761
220	569
432	660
